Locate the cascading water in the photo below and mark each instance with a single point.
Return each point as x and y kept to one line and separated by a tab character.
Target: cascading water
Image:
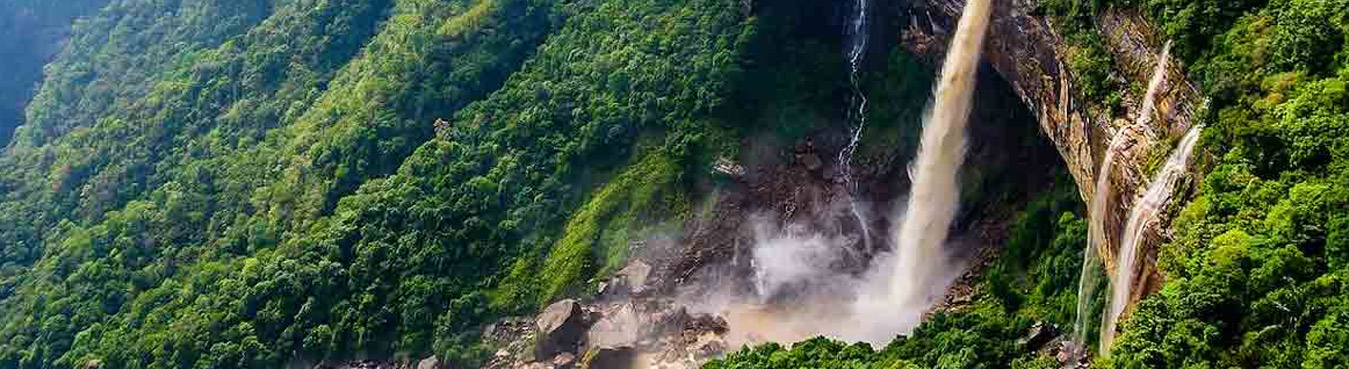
858	35
934	197
1141	217
1087	282
892	295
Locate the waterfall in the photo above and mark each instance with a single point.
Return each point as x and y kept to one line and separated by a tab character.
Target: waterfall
934	197
1143	215
1086	287
1154	88
858	36
897	288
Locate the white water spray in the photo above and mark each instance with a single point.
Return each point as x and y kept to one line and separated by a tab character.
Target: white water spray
934	197
891	297
1086	288
1143	215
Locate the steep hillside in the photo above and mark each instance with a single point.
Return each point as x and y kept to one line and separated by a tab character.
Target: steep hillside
268	183
35	31
1247	268
176	144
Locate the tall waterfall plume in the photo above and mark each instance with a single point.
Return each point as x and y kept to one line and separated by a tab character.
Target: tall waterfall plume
1097	240
892	295
934	196
1143	215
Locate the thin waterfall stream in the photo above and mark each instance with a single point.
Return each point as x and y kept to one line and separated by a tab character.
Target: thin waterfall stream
1141	218
858	35
1101	196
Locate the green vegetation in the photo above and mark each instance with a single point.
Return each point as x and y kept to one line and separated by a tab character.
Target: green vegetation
33	30
217	183
161	206
1089	61
245	184
1037	272
602	225
1256	275
975	340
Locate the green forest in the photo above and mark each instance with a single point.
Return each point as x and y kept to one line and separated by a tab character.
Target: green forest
254	183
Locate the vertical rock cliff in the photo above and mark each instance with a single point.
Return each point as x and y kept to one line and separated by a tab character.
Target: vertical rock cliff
1032	56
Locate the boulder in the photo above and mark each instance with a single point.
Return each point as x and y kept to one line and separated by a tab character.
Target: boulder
429	363
621	325
609	357
708	345
560	327
564	360
635	276
1038	336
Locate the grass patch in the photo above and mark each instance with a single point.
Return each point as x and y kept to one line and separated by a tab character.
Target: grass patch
595	240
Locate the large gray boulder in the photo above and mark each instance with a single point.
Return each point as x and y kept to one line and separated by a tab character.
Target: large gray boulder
560	327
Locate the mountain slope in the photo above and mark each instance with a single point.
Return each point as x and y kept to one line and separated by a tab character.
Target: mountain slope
249	184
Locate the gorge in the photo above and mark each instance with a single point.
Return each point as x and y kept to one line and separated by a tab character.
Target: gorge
724	184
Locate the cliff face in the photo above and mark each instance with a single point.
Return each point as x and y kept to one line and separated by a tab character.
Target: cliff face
1026	51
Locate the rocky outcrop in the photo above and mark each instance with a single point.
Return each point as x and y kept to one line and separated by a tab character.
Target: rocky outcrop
610	357
429	363
611	330
1026	50
560	327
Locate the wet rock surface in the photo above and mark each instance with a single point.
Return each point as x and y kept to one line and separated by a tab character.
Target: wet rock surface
1028	53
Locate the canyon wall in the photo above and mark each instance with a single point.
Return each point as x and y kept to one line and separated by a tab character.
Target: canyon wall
1026	50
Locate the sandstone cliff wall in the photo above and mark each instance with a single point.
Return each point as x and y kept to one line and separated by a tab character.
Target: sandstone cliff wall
1025	49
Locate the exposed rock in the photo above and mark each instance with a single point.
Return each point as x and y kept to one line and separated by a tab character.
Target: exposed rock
1025	49
708	323
559	328
708	345
670	321
1038	336
728	167
356	364
609	357
812	162
564	360
538	365
634	277
621	325
429	363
